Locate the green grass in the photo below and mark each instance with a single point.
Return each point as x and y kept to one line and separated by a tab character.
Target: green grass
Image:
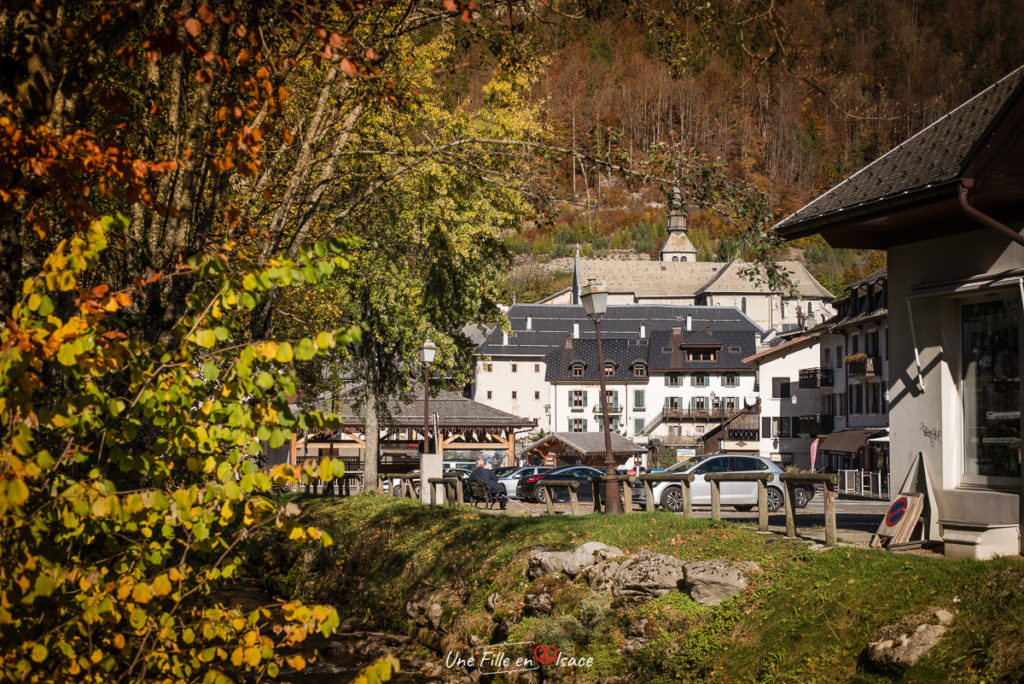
806	617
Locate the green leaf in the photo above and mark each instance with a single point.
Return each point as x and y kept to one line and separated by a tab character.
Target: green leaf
305	349
201	531
265	380
210	371
206	338
284	353
225	472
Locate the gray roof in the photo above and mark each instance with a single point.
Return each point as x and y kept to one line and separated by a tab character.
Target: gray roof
667	349
650	278
936	155
591	443
623	353
453	411
735	278
551	324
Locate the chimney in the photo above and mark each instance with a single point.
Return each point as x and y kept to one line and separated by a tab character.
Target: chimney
689	323
576	330
643	331
676	331
504	339
529	323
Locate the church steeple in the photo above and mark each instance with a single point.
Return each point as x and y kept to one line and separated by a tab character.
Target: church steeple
678	246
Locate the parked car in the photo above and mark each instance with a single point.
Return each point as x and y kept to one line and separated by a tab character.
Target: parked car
529	488
740	495
511	478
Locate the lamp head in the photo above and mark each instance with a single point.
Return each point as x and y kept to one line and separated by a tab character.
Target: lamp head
427	352
595	299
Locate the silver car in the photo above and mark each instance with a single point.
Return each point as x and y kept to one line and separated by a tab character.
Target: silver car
740	495
510	479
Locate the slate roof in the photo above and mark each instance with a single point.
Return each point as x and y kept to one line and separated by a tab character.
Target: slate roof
623	353
590	443
786	347
733	346
732	278
551	324
650	278
453	411
936	155
678	241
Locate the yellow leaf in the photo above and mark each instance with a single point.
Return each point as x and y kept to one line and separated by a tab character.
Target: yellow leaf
142	593
161	586
269	350
118	641
296	662
39	653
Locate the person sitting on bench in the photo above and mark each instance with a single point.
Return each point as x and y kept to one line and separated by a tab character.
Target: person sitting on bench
484	475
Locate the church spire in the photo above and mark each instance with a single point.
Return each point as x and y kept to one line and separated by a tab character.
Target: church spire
678	246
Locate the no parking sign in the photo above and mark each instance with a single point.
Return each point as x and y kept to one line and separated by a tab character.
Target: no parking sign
901	518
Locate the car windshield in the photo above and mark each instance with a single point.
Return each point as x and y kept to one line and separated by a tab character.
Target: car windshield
687	464
502	472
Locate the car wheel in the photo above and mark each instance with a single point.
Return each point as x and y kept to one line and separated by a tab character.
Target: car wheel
672	499
744	508
802	497
775	499
540	494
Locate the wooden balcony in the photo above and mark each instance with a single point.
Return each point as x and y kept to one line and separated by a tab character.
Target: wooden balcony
814	378
868	368
681	414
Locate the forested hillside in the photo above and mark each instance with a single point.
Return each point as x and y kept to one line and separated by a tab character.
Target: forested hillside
790	96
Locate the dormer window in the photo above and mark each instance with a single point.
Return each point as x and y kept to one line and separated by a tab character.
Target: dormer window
609	369
698	354
639	370
577	370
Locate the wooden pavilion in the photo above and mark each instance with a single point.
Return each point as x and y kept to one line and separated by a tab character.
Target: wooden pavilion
586	448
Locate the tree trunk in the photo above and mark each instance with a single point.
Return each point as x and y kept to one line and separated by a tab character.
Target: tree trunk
371	434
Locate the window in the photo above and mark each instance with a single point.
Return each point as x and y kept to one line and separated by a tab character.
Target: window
855	344
536	368
730	403
513	368
577	370
699	403
990	387
810	307
743	305
730	380
701	354
781	427
871	343
638	399
780	388
536	395
745	463
609	369
577	425
672	380
639	370
488	367
700	379
489	394
828	358
577	399
638	426
858	399
514	394
839	356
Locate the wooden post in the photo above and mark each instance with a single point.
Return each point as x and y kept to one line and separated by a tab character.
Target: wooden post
547	499
716	500
687	499
574	506
762	506
433	494
830	515
790	514
510	450
649	496
596	484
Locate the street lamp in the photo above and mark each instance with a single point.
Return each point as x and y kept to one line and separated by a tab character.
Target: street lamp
595	303
427	352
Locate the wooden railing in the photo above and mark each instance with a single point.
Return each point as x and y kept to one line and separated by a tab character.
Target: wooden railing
549	494
627	481
762	480
830	480
684	479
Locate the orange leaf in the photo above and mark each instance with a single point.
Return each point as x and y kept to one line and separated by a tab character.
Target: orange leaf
205	13
193	27
348	67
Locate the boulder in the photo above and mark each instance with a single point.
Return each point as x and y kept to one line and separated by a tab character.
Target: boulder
896	655
711	582
537	604
571	562
492	601
649	574
601	577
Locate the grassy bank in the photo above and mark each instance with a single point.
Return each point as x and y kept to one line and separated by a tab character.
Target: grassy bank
806	617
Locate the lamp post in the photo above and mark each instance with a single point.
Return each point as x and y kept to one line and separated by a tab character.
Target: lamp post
595	302
427	352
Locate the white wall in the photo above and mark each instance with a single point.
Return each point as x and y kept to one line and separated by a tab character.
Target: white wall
563	412
495	376
807	401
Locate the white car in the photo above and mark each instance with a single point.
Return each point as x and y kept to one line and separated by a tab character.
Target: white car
511	479
740	495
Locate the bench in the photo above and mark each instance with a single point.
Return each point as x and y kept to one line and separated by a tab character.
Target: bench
481	493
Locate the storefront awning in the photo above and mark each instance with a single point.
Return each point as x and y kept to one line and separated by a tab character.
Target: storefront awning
848	441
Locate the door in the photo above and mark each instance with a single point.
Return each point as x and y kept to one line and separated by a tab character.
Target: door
700	488
743	492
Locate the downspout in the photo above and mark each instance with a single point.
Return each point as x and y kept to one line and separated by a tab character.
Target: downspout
984	219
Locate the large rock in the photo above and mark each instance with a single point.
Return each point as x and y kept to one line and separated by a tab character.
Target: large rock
537	604
571	562
711	582
601	577
896	655
649	574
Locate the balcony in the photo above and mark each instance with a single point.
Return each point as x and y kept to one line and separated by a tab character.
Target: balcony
864	368
813	378
680	440
613	409
670	414
814	425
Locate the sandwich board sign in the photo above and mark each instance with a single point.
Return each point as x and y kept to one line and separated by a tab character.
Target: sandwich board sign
902	517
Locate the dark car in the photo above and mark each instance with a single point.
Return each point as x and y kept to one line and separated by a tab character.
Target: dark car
529	488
